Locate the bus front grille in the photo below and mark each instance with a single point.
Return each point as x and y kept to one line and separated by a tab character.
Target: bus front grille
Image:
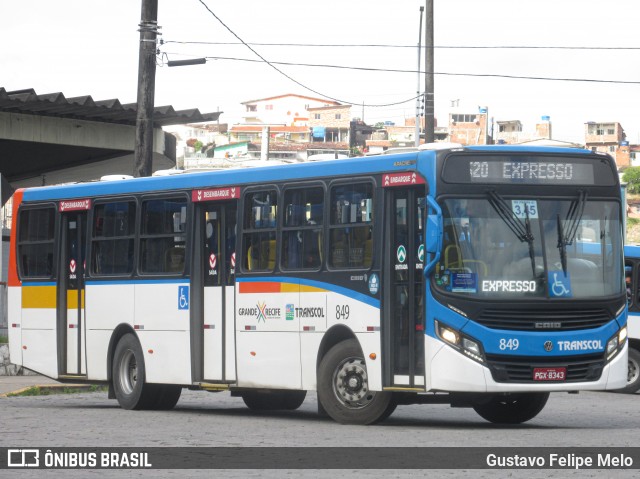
552	320
519	369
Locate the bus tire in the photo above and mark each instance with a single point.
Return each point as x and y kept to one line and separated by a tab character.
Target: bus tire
167	397
343	387
633	374
129	376
512	408
271	400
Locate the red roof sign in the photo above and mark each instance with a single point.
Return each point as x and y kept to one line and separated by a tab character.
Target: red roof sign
216	194
402	179
74	205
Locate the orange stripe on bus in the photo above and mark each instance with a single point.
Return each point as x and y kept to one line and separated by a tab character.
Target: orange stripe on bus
259	287
13	265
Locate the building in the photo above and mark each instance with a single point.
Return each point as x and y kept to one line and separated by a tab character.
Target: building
608	138
288	109
277	133
469	128
511	132
330	123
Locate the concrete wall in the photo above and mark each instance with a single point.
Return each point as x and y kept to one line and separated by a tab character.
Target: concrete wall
8	369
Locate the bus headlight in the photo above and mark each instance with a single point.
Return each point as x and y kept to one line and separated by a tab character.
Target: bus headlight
466	345
616	343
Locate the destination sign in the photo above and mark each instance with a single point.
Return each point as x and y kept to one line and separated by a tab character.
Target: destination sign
528	170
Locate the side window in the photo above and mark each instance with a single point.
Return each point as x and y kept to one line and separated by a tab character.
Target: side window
302	228
112	238
259	237
351	227
35	242
163	236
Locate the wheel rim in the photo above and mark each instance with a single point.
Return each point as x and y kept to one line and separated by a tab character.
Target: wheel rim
633	372
351	384
128	372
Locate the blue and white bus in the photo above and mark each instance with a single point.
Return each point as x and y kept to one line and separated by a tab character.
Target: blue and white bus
462	275
632	278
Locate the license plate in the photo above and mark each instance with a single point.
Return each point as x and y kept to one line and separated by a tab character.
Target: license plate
549	374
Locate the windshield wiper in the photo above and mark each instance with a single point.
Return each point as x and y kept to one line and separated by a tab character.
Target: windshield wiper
522	231
574	215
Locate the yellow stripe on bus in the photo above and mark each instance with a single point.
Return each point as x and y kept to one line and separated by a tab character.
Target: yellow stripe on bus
39	297
44	297
72	299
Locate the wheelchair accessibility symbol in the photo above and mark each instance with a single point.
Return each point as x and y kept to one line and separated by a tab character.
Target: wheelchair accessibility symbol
559	284
183	297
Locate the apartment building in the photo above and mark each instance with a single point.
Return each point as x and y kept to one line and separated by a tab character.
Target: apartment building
608	138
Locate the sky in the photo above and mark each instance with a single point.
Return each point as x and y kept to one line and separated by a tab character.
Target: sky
90	47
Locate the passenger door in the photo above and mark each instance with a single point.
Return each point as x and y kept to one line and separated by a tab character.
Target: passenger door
213	286
71	288
403	300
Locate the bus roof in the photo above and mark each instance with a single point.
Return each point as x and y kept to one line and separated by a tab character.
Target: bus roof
265	174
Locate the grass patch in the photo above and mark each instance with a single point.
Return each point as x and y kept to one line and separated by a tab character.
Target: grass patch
49	390
4	339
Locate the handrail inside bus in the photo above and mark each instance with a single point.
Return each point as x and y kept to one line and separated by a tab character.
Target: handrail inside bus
438	232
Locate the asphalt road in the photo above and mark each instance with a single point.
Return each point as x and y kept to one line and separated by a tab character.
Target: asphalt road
217	419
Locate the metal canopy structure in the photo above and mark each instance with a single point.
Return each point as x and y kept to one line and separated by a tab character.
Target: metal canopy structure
20	158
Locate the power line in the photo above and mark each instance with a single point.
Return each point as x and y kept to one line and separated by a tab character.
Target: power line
272	65
381	45
396	70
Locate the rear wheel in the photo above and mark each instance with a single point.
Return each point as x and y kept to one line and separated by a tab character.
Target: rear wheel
512	408
129	375
166	397
633	373
343	387
271	400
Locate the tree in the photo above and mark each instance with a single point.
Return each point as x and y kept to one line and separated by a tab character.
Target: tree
631	176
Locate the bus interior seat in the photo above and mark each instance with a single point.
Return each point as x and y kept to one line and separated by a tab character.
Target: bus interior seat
265	251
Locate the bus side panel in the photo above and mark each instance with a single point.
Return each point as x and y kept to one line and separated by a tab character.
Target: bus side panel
268	336
269	359
107	306
370	344
39	339
162	320
166	356
14	290
362	316
14	297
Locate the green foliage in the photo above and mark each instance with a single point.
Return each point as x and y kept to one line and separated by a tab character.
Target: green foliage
631	176
3	339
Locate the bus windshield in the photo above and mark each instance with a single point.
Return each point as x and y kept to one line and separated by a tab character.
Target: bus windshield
498	247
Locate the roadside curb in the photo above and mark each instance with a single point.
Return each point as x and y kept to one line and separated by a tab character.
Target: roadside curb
47	387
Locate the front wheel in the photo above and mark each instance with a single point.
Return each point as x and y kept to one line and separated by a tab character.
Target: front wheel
633	373
343	387
511	408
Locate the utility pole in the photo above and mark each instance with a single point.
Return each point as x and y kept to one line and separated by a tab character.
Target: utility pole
146	88
417	131
429	103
